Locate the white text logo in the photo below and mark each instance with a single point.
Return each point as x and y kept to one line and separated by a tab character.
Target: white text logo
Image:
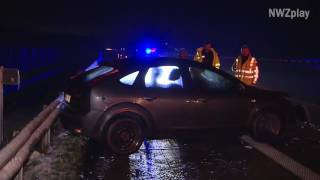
288	13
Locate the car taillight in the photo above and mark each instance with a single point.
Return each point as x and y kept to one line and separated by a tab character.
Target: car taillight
76	75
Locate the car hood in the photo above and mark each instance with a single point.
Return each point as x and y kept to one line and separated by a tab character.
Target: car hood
265	93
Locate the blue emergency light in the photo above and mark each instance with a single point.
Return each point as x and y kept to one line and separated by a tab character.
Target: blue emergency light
150	50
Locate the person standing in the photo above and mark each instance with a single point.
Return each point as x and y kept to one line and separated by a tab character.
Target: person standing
245	67
207	55
183	54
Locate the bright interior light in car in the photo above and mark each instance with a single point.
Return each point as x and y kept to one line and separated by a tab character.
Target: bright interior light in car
129	79
160	77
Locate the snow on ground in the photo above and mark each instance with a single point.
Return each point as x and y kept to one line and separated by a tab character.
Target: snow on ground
62	161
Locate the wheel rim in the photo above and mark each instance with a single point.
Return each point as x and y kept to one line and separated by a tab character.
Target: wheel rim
269	124
125	136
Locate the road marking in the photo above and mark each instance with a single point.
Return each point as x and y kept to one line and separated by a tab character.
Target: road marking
282	159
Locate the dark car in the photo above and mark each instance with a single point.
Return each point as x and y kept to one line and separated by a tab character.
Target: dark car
122	103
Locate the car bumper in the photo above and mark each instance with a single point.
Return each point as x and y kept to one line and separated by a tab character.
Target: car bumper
80	122
70	119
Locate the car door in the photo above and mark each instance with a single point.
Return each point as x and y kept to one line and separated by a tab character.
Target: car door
218	100
164	95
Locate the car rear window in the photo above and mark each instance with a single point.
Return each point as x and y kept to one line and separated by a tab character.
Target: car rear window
102	70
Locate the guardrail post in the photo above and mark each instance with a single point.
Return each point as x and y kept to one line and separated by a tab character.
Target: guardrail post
19	176
1	106
45	141
7	77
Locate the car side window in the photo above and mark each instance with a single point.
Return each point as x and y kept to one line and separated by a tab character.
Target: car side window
163	77
130	78
207	79
99	71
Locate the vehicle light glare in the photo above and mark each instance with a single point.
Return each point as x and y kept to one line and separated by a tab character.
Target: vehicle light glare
78	130
148	51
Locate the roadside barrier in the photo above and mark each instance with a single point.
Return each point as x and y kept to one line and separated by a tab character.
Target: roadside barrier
266	60
17	151
282	159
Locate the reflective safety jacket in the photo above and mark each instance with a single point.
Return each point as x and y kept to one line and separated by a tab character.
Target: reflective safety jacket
215	61
247	72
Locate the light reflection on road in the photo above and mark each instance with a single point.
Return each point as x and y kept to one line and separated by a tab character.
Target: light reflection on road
214	158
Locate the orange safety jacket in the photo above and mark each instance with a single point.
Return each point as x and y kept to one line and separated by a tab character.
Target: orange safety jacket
199	57
247	72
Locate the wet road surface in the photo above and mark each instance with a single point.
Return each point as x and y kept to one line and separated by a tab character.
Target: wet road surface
204	158
303	145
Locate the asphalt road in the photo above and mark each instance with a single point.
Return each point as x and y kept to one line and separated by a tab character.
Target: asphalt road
218	157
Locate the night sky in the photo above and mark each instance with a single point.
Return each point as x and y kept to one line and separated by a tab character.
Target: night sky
228	24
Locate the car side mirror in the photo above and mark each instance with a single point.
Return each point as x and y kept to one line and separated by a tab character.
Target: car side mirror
241	87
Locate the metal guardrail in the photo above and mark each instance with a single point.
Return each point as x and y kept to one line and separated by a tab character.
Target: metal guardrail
299	170
266	60
17	151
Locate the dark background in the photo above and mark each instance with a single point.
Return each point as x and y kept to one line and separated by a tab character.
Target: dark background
228	24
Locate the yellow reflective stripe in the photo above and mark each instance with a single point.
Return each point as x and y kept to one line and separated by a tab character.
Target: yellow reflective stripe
252	61
245	71
256	75
249	77
245	76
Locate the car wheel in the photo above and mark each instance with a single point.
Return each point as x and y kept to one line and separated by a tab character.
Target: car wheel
124	136
267	126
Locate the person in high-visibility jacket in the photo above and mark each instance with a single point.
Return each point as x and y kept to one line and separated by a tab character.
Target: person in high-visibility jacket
245	67
207	55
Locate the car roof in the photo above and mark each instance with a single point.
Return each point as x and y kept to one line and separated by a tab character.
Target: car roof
138	62
149	61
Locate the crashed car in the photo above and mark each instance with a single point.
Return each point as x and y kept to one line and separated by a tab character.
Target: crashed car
122	103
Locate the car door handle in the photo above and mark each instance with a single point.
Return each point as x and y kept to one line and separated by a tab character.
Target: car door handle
202	100
199	100
149	98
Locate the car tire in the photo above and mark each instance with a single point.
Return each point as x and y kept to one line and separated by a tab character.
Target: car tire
267	127
124	136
